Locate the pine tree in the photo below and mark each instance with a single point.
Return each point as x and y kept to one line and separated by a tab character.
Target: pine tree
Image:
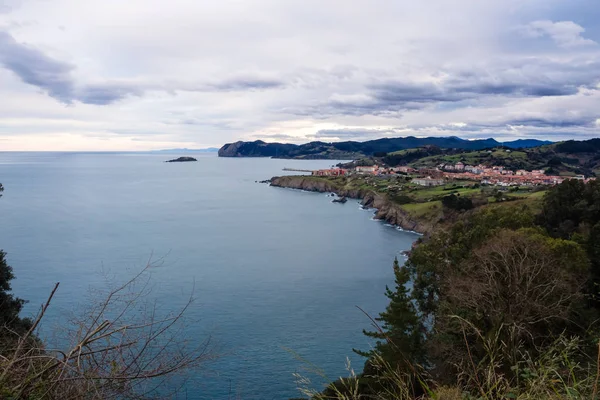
401	341
10	306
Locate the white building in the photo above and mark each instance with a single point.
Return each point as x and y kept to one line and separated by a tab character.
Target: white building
428	181
366	169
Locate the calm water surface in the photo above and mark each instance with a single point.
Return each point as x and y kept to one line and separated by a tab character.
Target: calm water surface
274	269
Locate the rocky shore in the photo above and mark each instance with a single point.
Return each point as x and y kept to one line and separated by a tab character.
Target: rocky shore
387	210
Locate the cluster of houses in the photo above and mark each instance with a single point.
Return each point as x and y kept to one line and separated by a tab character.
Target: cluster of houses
484	170
363	170
498	175
495	175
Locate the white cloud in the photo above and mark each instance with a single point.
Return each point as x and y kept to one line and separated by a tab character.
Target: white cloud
564	33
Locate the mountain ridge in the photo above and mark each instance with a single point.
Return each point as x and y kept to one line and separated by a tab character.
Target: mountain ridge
353	149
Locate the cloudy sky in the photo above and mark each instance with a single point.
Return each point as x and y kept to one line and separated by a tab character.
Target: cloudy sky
151	74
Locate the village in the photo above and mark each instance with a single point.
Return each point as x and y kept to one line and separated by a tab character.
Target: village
443	173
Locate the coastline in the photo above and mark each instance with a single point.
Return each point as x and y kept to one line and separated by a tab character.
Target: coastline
386	210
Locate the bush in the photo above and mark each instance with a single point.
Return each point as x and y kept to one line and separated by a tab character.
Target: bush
457	202
402	199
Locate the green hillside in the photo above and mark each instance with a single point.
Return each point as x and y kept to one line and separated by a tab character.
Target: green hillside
565	158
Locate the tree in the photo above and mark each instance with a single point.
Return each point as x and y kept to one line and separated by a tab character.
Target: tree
432	257
513	295
400	336
564	208
10	306
571	210
456	202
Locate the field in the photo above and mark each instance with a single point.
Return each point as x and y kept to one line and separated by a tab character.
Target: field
489	157
427	194
429	211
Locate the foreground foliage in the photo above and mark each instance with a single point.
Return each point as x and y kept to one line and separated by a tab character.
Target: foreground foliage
503	305
119	346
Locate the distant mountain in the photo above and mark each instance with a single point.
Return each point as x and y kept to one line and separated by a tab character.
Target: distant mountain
184	150
354	150
526	143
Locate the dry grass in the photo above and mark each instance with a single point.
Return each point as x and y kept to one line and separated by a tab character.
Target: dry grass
561	371
120	347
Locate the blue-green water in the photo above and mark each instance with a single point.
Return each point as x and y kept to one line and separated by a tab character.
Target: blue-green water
273	268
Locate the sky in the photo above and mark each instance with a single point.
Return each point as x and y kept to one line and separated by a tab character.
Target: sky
80	75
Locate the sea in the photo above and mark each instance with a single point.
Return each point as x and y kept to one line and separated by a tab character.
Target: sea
282	279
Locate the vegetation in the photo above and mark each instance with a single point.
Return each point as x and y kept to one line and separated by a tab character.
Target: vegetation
457	203
566	158
10	306
503	305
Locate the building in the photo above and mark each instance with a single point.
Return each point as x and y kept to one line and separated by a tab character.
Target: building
404	169
429	181
367	169
329	172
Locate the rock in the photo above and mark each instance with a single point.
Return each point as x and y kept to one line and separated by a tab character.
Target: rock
340	200
386	210
265	181
182	159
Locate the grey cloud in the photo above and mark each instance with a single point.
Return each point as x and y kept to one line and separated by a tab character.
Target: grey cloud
460	89
36	68
205	122
55	78
348	134
8	6
541	123
540	126
281	136
103	94
249	83
552	123
515	79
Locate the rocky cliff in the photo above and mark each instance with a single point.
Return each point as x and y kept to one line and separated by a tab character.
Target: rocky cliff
387	210
257	148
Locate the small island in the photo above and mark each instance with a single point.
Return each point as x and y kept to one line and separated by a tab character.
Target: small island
182	159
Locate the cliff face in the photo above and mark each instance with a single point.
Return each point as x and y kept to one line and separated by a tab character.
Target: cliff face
387	210
257	148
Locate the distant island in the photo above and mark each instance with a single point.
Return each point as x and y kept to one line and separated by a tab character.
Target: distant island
182	159
355	150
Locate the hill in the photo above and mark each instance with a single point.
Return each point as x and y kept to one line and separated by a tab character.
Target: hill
565	158
354	150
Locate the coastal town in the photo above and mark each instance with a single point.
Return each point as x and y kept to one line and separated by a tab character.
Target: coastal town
443	173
